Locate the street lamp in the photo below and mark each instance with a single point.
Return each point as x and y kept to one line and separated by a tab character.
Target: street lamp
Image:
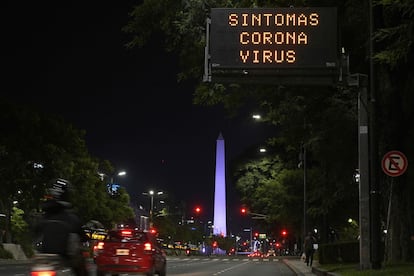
256	116
151	194
103	175
121	173
112	179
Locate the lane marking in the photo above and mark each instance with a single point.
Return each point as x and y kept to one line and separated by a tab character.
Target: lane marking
229	268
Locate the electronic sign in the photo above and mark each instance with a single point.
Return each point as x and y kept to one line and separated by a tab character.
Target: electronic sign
285	38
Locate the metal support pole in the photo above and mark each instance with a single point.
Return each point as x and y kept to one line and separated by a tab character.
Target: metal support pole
305	205
207	66
152	211
375	189
364	186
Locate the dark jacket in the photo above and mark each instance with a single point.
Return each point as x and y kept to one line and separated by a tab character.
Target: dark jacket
58	228
308	244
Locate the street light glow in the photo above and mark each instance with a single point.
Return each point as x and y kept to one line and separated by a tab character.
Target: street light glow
103	175
151	194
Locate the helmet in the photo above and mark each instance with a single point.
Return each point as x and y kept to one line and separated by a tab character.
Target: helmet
58	190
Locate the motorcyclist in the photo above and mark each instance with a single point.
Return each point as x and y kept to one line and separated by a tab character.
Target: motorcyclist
60	228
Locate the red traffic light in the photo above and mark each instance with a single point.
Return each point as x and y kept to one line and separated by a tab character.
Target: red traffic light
243	211
197	210
284	233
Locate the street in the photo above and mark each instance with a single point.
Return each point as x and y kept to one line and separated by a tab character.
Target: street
193	266
227	266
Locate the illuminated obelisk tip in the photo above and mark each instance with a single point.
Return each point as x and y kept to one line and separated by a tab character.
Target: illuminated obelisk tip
220	190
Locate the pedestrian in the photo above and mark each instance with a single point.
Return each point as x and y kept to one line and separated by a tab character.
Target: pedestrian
308	247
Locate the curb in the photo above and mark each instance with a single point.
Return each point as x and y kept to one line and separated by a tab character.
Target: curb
315	270
292	267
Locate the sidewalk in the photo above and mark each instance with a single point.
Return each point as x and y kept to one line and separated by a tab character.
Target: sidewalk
299	266
301	269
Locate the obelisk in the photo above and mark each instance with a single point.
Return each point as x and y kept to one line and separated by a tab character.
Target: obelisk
220	221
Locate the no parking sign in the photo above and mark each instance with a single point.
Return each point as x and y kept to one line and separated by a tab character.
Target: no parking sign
394	163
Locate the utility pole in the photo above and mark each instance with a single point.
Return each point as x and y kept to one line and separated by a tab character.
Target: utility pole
375	190
302	163
360	81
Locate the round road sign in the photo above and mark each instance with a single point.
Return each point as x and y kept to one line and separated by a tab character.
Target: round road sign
394	163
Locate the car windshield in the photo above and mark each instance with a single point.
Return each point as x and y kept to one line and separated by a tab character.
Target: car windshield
127	235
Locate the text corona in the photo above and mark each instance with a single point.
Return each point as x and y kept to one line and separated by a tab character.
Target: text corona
279	38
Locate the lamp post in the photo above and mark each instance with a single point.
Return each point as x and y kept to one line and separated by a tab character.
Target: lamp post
302	164
111	183
121	173
151	194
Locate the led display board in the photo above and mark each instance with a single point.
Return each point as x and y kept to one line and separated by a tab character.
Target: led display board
296	38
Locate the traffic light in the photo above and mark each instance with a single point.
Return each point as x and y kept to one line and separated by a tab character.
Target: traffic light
243	211
284	233
197	210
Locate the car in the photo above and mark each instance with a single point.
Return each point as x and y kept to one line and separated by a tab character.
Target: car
131	251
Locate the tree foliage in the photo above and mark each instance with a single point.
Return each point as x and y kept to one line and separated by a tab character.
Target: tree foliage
36	148
395	32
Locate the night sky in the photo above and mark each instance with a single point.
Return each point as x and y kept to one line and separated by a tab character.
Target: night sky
70	59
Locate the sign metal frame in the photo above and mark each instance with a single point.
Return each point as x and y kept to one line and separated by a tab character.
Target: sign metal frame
278	38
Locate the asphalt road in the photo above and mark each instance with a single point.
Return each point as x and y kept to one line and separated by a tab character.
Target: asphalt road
193	267
227	267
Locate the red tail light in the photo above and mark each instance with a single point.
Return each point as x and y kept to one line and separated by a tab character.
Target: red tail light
43	273
99	246
148	247
126	233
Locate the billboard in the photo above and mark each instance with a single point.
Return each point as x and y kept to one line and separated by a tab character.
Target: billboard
286	38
